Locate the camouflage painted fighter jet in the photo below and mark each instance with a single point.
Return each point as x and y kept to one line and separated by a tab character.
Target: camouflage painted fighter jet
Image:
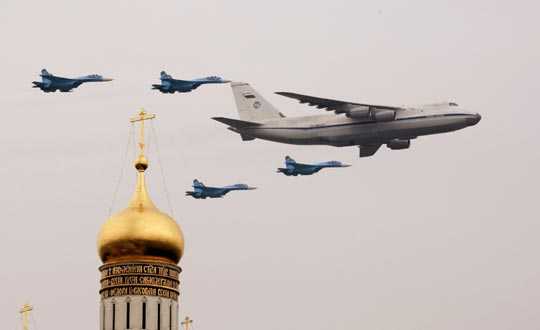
200	191
171	85
51	83
293	168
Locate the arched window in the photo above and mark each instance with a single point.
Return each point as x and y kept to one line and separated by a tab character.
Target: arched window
159	315
143	314
170	316
128	312
113	316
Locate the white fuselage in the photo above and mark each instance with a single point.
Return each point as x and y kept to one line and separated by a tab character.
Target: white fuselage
340	130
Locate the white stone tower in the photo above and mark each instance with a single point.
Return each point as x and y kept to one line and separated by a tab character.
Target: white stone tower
140	248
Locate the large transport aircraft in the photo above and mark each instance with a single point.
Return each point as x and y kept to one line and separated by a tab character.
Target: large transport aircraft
367	126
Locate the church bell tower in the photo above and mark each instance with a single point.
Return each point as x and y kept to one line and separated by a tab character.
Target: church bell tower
140	248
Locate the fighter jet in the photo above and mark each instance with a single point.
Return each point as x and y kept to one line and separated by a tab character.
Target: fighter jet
51	83
170	85
200	191
367	126
293	168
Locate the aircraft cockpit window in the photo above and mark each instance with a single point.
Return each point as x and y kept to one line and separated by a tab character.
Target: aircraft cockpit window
453	104
249	96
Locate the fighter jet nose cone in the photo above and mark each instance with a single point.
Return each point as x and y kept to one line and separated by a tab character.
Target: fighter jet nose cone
474	119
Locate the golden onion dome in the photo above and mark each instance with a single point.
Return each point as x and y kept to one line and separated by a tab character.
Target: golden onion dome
140	231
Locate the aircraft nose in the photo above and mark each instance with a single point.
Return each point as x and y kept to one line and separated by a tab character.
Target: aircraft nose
474	119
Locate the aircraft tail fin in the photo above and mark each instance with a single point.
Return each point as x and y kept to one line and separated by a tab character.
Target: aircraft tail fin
251	105
164	75
198	184
289	160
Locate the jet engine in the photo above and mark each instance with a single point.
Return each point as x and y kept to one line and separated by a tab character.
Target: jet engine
365	112
398	144
361	112
384	115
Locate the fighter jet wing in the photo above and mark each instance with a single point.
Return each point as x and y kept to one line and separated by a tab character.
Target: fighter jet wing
300	166
180	81
59	79
332	105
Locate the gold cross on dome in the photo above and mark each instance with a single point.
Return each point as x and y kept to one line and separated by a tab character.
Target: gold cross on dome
25	311
187	322
142	117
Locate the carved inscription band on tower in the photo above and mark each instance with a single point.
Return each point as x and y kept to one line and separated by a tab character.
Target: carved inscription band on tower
149	279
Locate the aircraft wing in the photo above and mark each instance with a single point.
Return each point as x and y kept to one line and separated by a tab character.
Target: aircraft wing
58	79
180	81
300	166
333	105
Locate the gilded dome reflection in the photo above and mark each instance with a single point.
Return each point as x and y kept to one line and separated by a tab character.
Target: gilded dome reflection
140	231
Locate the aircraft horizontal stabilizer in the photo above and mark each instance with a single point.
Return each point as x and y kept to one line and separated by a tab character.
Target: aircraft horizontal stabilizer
239	124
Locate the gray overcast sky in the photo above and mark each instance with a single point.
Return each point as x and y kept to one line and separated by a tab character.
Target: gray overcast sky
441	236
